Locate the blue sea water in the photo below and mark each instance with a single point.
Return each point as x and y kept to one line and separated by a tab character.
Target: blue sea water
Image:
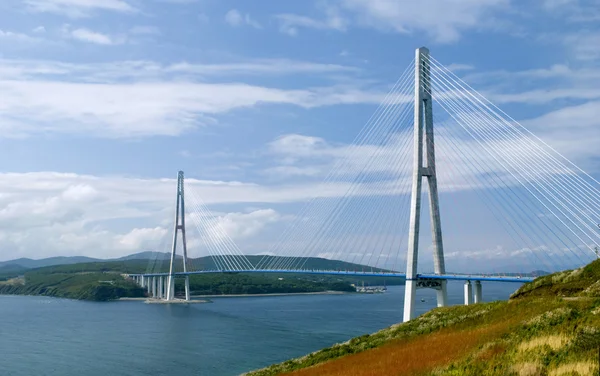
48	336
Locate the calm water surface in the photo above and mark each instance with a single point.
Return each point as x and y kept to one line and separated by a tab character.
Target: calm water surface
47	336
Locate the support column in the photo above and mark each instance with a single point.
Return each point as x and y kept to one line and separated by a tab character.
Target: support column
142	281
154	280
478	292
468	293
187	287
161	287
166	284
148	287
423	118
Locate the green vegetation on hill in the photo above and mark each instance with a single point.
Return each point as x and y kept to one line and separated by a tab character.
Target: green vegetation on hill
228	284
85	286
549	327
10	271
103	281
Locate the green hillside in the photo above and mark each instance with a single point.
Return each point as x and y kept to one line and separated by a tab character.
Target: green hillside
104	281
86	286
549	327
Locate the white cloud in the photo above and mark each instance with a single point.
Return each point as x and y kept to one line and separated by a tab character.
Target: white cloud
185	153
543	96
79	8
573	11
287	171
177	1
145	30
234	18
16	37
297	145
573	131
555	71
89	36
142	238
539	85
161	106
584	45
117	71
144	109
75	214
290	23
442	20
261	66
554	4
39	29
245	225
460	67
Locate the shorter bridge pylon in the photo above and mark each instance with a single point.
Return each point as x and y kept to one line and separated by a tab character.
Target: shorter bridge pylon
179	226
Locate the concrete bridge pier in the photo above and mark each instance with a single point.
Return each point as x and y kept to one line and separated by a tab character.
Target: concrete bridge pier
148	288
468	293
165	287
154	281
142	281
161	287
478	292
187	288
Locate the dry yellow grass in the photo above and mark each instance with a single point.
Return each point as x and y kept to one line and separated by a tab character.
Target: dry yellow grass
581	368
554	341
13	281
527	369
490	350
408	357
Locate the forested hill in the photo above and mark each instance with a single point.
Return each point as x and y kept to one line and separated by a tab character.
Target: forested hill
105	280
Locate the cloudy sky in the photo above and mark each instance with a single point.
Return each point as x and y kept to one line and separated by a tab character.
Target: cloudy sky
103	101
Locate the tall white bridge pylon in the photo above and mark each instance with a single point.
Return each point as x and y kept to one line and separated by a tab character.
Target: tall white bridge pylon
424	166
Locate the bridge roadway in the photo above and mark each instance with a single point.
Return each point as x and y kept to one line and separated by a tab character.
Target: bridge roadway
458	277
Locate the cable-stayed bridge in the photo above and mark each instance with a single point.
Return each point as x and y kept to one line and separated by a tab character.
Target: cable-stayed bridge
365	217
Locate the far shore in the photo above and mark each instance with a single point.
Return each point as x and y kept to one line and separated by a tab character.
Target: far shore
274	294
253	295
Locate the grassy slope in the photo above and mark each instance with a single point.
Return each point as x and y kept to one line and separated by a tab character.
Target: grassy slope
549	327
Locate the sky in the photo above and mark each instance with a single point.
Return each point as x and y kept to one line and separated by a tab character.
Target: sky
103	101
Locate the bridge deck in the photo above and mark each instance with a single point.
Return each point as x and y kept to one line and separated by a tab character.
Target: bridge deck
459	277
